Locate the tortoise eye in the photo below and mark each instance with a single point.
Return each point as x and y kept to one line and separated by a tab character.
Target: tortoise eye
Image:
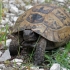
35	18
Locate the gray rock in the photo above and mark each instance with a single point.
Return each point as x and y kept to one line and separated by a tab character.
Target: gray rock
2	66
55	66
5	56
13	9
28	7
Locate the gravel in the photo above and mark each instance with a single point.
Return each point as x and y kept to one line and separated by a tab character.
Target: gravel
12	10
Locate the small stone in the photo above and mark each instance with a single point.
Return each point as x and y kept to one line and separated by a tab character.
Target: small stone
55	66
8	42
13	9
20	12
2	66
10	68
63	68
19	63
0	53
1	26
15	18
28	7
60	0
12	1
27	1
41	1
35	1
69	7
5	56
34	68
5	0
5	5
4	21
17	60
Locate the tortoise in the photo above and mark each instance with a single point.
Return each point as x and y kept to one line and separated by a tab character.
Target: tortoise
43	27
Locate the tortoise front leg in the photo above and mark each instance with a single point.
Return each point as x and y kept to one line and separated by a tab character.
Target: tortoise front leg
14	46
40	51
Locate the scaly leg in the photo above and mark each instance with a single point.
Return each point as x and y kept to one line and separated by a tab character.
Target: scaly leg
40	51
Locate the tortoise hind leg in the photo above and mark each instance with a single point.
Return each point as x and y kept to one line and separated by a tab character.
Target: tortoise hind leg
40	51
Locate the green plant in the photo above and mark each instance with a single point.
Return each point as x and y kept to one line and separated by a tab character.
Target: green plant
34	49
0	10
63	58
3	30
60	56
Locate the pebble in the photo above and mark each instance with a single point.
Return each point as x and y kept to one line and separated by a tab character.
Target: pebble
35	1
0	53
5	0
28	7
41	69
63	68
2	66
60	0
17	60
5	21
20	12
13	9
5	56
41	1
8	42
34	68
55	66
69	7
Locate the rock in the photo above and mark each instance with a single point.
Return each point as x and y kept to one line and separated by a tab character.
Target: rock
38	1
69	7
13	9
10	68
34	68
5	0
63	68
55	66
12	1
0	53
5	21
2	66
17	60
5	5
1	26
20	12
28	7
5	56
41	1
13	18
35	1
3	45
60	0
27	1
10	23
8	42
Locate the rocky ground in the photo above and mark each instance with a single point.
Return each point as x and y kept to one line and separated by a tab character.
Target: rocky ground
11	10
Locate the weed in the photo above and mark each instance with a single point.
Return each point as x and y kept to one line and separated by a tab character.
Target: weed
60	56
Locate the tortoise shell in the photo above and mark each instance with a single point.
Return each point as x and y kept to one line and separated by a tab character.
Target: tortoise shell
48	20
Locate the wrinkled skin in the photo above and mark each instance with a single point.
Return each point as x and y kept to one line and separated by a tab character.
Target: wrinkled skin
28	38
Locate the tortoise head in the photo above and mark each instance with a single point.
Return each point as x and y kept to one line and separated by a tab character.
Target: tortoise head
29	35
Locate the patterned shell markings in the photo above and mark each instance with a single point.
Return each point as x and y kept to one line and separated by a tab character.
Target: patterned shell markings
48	20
